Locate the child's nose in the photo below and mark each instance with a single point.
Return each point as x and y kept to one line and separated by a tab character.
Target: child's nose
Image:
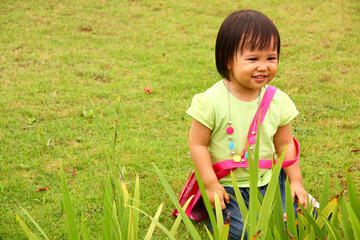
262	67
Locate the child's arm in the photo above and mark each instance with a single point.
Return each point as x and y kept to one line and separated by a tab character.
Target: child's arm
198	141
284	137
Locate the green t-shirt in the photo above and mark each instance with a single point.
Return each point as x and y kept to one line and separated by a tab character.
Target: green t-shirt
211	108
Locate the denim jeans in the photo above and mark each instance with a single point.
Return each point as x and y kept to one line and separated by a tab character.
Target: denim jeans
236	220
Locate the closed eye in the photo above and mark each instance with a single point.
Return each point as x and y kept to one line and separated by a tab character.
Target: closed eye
252	59
272	58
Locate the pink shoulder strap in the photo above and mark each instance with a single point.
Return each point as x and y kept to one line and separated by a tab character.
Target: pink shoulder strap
223	168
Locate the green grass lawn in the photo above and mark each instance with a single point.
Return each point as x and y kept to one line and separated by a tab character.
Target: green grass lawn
61	58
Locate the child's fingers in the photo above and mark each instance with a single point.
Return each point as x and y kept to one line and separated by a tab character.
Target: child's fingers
227	198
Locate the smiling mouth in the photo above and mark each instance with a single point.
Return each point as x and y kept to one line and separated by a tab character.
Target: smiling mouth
260	77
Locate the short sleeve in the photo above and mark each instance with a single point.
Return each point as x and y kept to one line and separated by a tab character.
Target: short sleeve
202	110
288	109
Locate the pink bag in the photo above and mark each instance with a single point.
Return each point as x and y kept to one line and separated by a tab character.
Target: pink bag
196	209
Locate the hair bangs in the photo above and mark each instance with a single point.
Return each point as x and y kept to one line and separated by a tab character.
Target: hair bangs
259	37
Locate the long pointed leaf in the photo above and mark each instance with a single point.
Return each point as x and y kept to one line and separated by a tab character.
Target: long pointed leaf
159	225
175	201
219	215
177	221
106	223
333	232
85	231
152	225
69	211
327	210
207	204
239	197
317	231
27	230
35	223
253	199
344	220
354	222
266	208
325	193
353	196
135	203
289	205
224	232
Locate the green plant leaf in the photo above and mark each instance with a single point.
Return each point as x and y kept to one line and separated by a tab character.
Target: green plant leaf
207	204
35	223
106	222
354	221
135	203
289	205
353	196
224	230
208	233
69	211
219	215
85	231
344	220
27	230
317	231
333	232
327	210
239	197
278	214
175	201
177	222
159	225
267	205
325	192
151	229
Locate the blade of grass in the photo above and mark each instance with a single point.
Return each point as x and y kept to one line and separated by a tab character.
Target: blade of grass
333	232
224	232
135	203
266	208
27	230
85	231
159	225
354	221
207	204
278	214
301	228
317	231
106	223
239	197
116	225
175	201
208	233
344	220
327	210
353	196
253	200
151	229
35	223
289	205
69	211
325	192
219	215
177	222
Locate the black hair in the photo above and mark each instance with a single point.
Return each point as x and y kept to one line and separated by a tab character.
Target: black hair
243	29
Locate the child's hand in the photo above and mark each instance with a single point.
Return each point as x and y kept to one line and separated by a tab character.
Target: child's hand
220	191
298	191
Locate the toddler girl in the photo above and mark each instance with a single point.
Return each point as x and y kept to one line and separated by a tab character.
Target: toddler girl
247	54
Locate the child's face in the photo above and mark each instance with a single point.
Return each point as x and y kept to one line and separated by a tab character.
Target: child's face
251	70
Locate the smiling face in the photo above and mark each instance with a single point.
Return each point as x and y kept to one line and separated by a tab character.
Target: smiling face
250	70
